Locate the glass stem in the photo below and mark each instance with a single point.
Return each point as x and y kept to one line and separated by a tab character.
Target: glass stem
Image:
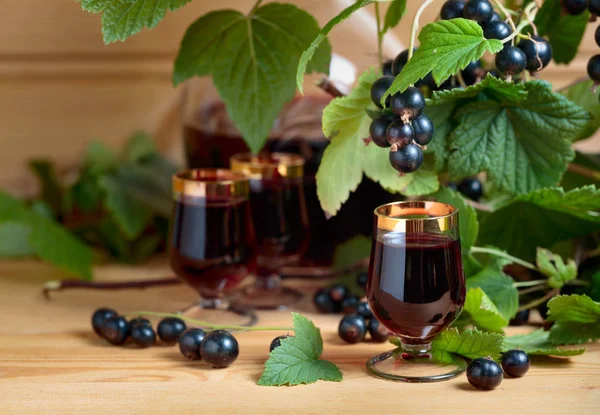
415	349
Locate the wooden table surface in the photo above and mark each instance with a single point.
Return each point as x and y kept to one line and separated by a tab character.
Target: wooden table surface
52	362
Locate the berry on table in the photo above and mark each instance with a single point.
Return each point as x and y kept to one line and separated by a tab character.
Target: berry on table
277	342
337	292
515	363
387	67
400	134
377	331
143	335
352	328
574	7
364	310
593	68
520	319
379	88
407	159
169	329
423	128
511	60
478	10
99	317
219	348
140	321
323	302
496	30
116	330
484	373
349	305
471	187
189	343
537	51
452	9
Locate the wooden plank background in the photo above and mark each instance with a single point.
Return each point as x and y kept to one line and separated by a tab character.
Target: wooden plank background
61	87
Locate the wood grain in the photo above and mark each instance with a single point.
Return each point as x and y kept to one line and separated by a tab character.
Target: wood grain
51	362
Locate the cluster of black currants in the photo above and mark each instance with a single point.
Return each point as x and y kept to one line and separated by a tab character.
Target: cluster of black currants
485	374
219	348
576	7
354	327
593	66
406	130
531	54
338	298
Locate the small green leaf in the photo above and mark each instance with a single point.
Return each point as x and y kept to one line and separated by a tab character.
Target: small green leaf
499	288
94	6
394	14
139	147
351	252
581	94
470	343
537	343
14	240
296	361
308	54
553	266
447	46
467	217
576	317
51	188
493	88
483	312
267	46
99	159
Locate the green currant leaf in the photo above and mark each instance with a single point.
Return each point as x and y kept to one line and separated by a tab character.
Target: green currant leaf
545	217
99	159
94	6
447	47
51	188
14	240
441	116
499	287
553	266
564	31
522	145
483	311
580	93
493	88
467	217
139	147
470	344
296	361
255	77
394	14
47	239
576	319
321	37
537	343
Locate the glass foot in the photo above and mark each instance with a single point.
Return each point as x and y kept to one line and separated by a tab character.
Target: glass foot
398	365
268	294
218	311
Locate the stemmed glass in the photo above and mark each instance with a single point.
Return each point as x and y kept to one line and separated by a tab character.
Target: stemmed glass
416	287
281	222
212	242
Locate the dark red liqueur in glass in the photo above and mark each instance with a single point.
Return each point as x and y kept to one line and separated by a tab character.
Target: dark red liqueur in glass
416	284
212	243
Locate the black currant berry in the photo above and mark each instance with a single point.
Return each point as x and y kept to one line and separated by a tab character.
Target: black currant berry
473	73
423	128
484	373
574	7
471	188
352	328
169	329
597	35
409	104
140	321
515	363
387	67
219	348
377	331
452	9
116	330
379	88
378	131
99	317
364	310
478	10
407	159
323	302
338	292
593	68
143	335
400	61
538	53
277	342
349	305
189	343
520	319
496	30
511	60
400	134
361	279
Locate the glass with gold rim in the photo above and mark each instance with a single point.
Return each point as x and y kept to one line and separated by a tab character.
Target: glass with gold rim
416	287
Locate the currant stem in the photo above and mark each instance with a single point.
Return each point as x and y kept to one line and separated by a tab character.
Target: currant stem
529	283
460	79
207	325
532	289
379	35
506	13
539	301
415	27
497	252
584	171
